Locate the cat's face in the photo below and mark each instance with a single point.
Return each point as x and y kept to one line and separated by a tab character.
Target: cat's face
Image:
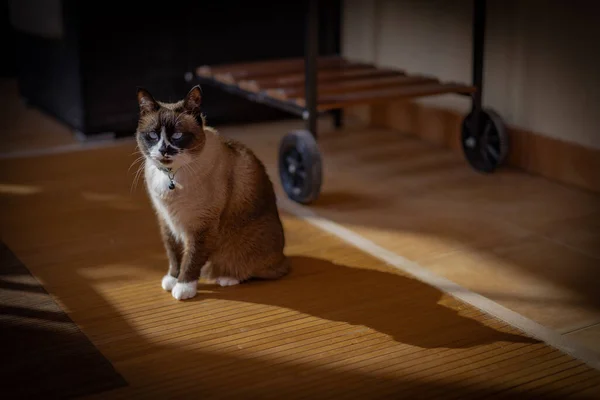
170	135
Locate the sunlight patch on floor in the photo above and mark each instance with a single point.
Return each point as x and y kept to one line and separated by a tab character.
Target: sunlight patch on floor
115	201
8	188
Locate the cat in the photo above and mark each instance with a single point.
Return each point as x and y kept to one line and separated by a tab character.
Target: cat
215	204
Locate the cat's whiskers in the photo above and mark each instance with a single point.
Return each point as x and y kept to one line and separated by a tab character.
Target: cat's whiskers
137	177
135	180
137	160
141	157
136	149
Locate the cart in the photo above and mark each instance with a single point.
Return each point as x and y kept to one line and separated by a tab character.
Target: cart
313	85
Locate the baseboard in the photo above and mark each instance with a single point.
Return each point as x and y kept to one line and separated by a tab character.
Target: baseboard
560	161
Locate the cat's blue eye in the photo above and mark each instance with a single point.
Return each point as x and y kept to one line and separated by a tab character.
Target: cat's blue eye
177	135
153	135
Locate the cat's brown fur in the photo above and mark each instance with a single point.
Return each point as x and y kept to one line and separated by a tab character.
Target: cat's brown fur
222	214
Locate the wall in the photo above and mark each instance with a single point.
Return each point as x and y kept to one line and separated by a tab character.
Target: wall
542	64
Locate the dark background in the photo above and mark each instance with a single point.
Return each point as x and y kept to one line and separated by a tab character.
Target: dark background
87	78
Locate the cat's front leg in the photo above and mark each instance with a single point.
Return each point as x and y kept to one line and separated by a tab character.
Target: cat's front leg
195	255
174	255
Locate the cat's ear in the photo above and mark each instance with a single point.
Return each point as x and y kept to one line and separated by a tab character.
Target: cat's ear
146	101
193	100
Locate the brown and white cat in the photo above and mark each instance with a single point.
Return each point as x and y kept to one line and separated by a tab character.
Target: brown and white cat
215	203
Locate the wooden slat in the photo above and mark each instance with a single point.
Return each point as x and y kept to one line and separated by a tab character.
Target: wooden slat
353	71
211	70
269	69
352	85
330	102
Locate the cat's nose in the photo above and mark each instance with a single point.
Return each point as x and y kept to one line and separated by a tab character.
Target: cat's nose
163	152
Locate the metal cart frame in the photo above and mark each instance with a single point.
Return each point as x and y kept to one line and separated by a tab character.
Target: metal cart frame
483	138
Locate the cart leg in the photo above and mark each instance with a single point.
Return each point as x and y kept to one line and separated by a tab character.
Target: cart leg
338	117
331	10
310	56
478	48
484	137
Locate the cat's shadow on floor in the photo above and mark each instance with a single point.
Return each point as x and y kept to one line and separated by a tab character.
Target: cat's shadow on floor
407	310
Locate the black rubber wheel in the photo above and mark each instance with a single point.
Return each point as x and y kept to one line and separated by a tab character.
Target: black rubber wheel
300	167
490	150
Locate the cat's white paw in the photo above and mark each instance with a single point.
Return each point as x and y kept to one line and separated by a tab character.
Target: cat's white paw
168	282
182	291
226	281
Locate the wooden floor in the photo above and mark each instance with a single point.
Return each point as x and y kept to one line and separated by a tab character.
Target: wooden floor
342	325
527	243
